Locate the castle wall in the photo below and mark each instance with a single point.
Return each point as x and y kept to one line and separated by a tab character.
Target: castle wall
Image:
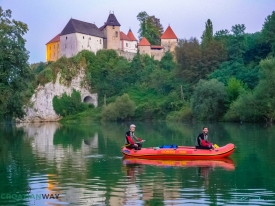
128	55
145	50
112	34
158	54
71	44
169	44
52	51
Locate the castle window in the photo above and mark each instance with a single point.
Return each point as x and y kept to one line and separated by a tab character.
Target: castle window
113	27
116	33
126	44
66	37
83	37
135	45
100	41
90	38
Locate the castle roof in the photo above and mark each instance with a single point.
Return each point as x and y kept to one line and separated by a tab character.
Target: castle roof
169	34
111	21
76	26
156	47
144	42
124	37
55	39
131	35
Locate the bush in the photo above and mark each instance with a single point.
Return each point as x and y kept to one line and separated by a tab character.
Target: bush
185	114
68	105
208	100
122	109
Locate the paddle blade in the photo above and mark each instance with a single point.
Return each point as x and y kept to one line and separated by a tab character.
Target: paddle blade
216	146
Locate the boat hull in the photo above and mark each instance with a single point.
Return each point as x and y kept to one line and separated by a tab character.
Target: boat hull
182	152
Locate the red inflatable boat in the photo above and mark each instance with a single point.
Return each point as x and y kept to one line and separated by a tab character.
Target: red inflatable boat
182	152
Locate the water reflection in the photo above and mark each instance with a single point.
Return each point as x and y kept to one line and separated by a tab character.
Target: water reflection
224	163
83	163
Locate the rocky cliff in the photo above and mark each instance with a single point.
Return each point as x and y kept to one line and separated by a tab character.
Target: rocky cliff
40	107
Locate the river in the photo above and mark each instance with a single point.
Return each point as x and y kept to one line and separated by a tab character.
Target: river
78	164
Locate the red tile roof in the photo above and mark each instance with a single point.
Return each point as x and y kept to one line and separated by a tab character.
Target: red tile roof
55	39
131	35
156	47
124	37
144	42
169	34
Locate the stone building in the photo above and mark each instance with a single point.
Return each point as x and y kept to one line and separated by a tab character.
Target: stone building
169	40
53	49
128	43
78	35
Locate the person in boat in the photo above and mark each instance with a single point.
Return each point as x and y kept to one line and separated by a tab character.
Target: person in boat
202	140
131	140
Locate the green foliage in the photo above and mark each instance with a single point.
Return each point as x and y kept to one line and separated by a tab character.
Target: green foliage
259	105
69	105
185	114
234	88
207	35
150	28
122	109
15	74
67	67
196	62
248	74
269	31
208	100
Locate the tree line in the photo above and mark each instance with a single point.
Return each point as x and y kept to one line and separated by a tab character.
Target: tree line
224	76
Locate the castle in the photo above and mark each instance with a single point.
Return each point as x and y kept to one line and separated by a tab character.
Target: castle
78	35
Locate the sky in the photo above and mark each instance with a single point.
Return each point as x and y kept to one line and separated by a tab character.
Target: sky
45	19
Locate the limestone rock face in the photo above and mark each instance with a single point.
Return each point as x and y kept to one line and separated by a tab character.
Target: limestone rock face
40	108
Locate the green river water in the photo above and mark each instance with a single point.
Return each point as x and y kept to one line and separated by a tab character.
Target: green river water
80	164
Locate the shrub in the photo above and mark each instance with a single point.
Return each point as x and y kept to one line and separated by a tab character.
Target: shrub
123	108
68	105
208	100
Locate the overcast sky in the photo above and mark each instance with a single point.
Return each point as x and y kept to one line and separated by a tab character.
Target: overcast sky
187	18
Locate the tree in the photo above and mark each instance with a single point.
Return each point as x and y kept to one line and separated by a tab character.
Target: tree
207	35
234	88
260	104
208	100
269	31
122	109
188	55
15	73
150	28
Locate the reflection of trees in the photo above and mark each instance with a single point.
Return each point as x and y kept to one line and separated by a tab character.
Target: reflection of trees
16	161
67	157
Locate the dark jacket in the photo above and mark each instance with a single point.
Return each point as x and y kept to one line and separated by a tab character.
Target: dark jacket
202	139
130	138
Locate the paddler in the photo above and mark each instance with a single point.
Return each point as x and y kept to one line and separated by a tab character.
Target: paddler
132	141
202	139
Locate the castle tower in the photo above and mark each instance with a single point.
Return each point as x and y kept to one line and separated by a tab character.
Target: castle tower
53	49
111	29
169	40
144	46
